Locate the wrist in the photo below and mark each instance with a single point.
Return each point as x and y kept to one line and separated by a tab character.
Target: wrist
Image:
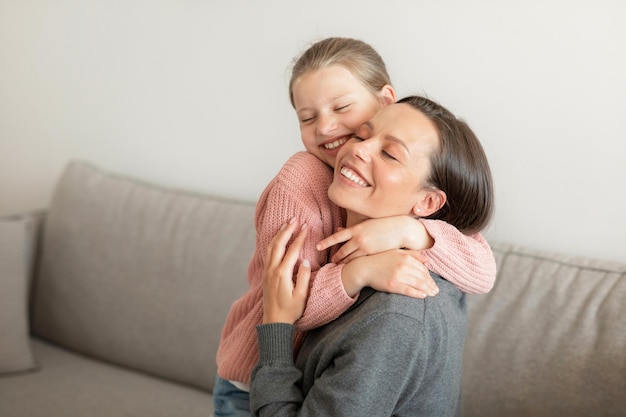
277	316
353	281
418	237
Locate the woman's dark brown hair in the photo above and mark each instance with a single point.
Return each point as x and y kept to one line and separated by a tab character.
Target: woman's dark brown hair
459	168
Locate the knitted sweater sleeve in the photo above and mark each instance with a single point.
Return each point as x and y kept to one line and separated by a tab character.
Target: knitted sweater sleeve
465	261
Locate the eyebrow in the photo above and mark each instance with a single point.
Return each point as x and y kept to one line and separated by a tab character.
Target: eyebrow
389	137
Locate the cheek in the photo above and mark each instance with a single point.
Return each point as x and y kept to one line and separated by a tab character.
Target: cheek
335	196
355	119
396	189
307	135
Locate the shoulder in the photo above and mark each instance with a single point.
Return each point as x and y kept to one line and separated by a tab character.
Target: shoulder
299	189
450	302
305	174
304	165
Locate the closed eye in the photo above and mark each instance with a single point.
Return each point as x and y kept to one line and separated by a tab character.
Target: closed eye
390	156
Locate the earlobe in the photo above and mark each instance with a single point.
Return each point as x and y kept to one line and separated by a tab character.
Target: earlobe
387	95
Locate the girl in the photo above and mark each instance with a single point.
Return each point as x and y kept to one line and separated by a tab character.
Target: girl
387	355
336	85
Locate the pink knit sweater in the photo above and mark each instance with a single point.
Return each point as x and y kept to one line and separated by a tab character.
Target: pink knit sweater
300	190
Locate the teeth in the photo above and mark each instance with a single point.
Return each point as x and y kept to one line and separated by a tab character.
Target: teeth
335	144
349	174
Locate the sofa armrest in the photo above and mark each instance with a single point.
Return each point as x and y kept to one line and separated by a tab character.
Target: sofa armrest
19	236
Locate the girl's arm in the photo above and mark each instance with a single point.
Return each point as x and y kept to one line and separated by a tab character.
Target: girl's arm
334	287
465	261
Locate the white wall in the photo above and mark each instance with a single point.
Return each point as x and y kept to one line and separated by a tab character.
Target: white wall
192	94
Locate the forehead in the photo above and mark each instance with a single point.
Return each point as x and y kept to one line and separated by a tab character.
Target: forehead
329	82
406	123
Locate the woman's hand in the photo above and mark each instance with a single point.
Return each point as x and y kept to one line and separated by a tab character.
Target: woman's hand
397	271
284	302
378	235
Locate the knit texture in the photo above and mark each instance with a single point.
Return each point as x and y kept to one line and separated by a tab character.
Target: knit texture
465	261
299	190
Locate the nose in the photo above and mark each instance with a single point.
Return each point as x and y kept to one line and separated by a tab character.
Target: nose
326	124
362	150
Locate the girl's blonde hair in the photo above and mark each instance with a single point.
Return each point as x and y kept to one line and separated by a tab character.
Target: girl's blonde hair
356	56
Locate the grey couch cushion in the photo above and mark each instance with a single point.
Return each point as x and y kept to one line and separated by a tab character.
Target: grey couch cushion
549	340
71	385
139	275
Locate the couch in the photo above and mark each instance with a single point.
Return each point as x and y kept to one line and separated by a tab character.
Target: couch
112	302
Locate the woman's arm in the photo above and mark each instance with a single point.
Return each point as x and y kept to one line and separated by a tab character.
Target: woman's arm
364	379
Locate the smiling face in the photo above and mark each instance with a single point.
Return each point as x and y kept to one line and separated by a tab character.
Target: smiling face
331	103
384	171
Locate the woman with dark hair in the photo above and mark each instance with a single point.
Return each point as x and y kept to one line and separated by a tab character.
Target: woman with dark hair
388	354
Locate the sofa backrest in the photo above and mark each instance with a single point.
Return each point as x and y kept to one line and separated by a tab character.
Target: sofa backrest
549	339
139	275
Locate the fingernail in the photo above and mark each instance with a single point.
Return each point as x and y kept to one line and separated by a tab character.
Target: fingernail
292	220
306	263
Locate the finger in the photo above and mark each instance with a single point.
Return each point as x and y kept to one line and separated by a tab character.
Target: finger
278	244
293	252
351	254
422	281
345	253
415	293
426	282
301	289
419	256
337	237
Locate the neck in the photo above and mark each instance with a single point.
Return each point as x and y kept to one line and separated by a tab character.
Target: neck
353	218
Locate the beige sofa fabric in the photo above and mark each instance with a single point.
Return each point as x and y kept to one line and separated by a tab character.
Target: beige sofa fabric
71	385
127	269
549	340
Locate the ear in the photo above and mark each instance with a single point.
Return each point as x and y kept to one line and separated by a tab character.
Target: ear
430	202
387	95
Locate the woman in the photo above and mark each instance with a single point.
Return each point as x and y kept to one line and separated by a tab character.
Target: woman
337	84
388	354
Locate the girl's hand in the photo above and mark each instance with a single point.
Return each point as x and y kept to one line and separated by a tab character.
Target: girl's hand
396	271
284	302
378	235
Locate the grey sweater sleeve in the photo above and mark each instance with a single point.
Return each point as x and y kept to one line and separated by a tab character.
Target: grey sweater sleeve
376	368
275	379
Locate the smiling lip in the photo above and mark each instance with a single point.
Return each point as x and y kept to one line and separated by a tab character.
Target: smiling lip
335	143
353	176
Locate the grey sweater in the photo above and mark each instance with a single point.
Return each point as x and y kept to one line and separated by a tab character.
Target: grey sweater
388	355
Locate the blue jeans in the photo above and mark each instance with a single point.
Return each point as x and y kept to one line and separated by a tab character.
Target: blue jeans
230	401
